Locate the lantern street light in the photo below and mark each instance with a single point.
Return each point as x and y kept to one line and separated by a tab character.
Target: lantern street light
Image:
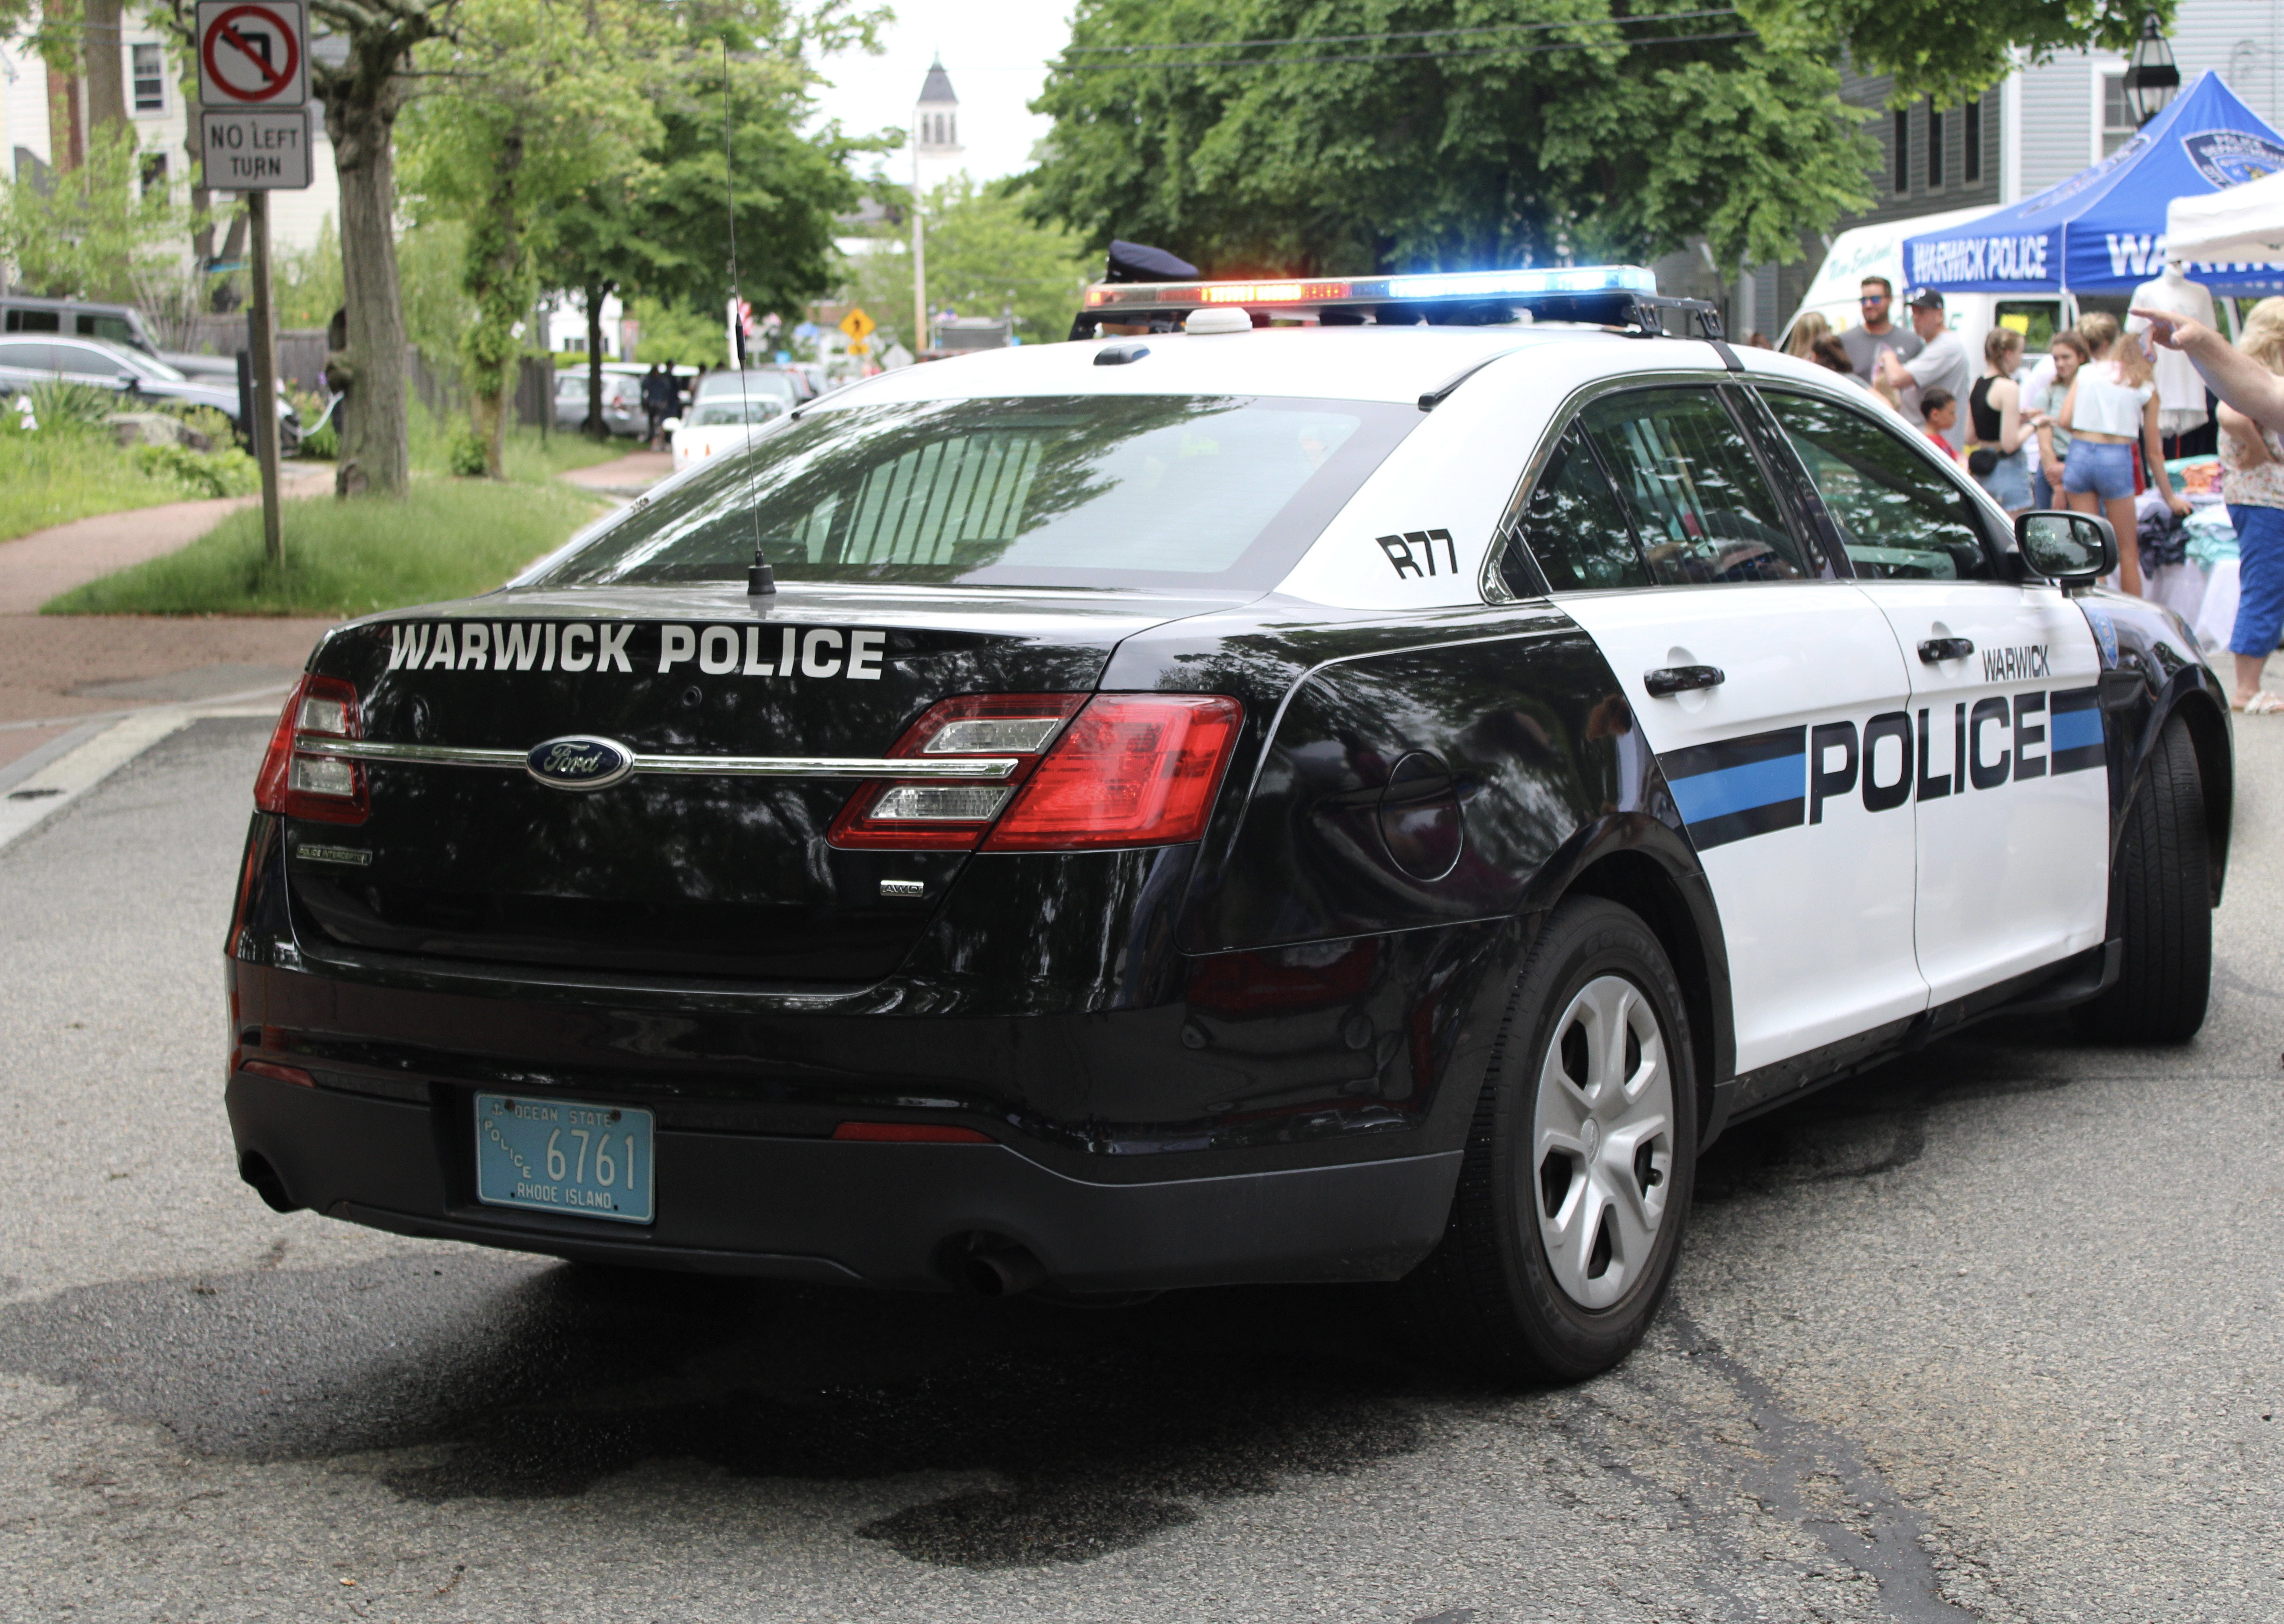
2151	79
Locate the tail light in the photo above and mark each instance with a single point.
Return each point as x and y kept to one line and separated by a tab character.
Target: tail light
887	815
298	777
1127	769
1133	769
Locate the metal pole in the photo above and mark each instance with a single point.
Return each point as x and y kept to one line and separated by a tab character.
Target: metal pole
919	254
263	337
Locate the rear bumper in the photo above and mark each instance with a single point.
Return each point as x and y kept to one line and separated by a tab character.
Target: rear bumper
879	1214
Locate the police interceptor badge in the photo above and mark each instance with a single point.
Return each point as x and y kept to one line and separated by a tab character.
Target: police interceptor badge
579	762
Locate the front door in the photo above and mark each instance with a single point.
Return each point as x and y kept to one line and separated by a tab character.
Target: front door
2005	727
1690	563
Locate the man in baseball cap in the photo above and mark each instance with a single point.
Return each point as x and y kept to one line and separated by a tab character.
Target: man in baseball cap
1942	362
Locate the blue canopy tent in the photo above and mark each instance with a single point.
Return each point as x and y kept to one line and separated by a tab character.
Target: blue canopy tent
2103	229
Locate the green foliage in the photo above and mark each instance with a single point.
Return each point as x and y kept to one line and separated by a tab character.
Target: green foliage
59	405
678	334
437	309
1576	139
468	456
94	231
224	471
984	255
306	284
1950	52
445	539
211	421
57	475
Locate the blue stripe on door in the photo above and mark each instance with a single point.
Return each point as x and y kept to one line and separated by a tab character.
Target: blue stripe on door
1740	789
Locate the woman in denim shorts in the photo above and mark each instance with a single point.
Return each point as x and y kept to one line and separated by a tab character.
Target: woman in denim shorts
2252	480
2113	398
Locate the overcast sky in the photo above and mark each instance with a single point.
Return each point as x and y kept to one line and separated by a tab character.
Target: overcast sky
996	56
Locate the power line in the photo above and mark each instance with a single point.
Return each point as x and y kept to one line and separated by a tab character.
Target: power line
1404	56
1406	34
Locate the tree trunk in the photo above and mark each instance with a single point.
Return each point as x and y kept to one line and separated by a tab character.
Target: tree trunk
494	275
66	139
106	81
376	443
596	294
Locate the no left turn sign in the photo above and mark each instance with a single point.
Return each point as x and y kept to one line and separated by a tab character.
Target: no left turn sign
253	53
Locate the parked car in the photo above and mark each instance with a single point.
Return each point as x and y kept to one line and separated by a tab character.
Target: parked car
623	407
721	424
103	364
783	382
121	324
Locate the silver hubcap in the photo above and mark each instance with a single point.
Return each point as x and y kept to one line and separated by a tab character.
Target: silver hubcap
1601	1141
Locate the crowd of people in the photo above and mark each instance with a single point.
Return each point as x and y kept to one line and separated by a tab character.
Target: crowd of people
2082	412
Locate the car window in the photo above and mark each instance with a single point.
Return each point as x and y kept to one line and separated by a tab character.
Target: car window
1694	490
1897	516
1573	527
1215	491
86	360
112	327
716	384
36	321
25	357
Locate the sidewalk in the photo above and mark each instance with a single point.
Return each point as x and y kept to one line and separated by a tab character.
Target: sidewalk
623	476
58	669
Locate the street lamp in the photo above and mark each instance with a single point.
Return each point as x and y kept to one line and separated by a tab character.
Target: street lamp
2151	79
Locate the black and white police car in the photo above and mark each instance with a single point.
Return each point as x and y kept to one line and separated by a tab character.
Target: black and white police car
1366	798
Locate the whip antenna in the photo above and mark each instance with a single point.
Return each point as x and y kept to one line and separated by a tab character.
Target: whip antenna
760	580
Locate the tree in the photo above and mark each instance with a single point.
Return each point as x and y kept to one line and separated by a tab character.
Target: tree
533	104
984	255
662	231
1950	54
1326	136
92	232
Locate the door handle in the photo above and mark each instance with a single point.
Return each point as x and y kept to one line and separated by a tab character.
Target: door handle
1666	681
1937	649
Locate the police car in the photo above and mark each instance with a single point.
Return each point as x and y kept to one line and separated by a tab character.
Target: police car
1366	798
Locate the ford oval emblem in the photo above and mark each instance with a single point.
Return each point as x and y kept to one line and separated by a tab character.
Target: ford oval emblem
579	762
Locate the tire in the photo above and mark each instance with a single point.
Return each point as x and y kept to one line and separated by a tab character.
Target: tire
1552	1272
2160	906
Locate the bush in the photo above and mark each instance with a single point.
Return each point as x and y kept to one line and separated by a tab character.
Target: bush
211	421
326	443
59	405
467	457
227	471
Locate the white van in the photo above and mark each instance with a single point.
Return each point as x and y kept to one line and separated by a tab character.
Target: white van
1878	251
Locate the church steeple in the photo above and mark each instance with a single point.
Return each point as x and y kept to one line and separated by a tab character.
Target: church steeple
936	115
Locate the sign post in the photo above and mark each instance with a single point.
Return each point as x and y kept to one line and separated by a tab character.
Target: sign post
253	107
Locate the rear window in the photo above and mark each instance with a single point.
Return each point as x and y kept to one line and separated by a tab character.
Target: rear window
1173	491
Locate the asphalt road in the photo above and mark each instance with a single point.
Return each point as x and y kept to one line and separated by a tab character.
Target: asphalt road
1991	1333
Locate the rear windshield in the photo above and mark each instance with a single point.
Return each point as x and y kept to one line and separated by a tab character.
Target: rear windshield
1173	491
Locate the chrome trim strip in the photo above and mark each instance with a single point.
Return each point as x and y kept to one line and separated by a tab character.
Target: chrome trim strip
962	769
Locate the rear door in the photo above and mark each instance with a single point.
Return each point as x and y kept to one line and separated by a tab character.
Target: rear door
2007	757
1750	668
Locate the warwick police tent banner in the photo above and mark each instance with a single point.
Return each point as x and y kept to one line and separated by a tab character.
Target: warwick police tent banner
2103	229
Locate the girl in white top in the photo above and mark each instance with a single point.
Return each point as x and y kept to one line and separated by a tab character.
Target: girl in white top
2111	401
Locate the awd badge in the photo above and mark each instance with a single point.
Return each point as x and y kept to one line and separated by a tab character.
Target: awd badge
579	762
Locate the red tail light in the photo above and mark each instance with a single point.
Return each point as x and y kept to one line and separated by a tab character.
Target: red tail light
1133	769
953	816
298	778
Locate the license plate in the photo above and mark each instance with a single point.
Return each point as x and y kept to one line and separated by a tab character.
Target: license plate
572	1156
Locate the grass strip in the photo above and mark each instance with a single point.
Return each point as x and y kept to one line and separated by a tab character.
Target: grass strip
53	479
448	539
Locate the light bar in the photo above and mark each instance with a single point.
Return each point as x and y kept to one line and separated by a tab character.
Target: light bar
1376	290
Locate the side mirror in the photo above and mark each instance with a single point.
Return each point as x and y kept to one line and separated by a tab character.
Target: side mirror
2072	550
668	424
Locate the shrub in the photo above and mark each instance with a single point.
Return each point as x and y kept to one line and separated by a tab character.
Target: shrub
467	457
228	471
324	443
60	405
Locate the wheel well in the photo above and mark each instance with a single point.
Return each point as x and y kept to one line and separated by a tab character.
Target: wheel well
1637	882
2209	737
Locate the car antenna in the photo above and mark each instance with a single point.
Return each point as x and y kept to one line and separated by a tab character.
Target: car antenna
760	580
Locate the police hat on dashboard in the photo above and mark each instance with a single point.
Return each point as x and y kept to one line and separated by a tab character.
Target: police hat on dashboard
1140	263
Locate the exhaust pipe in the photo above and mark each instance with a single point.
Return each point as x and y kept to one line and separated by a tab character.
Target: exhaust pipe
254	1169
992	1265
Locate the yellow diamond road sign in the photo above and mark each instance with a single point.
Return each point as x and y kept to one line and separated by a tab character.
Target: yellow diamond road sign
857	326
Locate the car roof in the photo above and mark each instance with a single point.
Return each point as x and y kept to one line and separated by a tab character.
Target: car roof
1356	364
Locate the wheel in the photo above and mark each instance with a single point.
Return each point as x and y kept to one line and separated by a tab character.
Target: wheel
1575	1188
2160	906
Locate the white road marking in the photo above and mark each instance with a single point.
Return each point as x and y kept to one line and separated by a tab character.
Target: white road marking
64	780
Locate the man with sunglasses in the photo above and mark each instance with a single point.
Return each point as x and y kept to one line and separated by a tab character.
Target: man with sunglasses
1875	333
